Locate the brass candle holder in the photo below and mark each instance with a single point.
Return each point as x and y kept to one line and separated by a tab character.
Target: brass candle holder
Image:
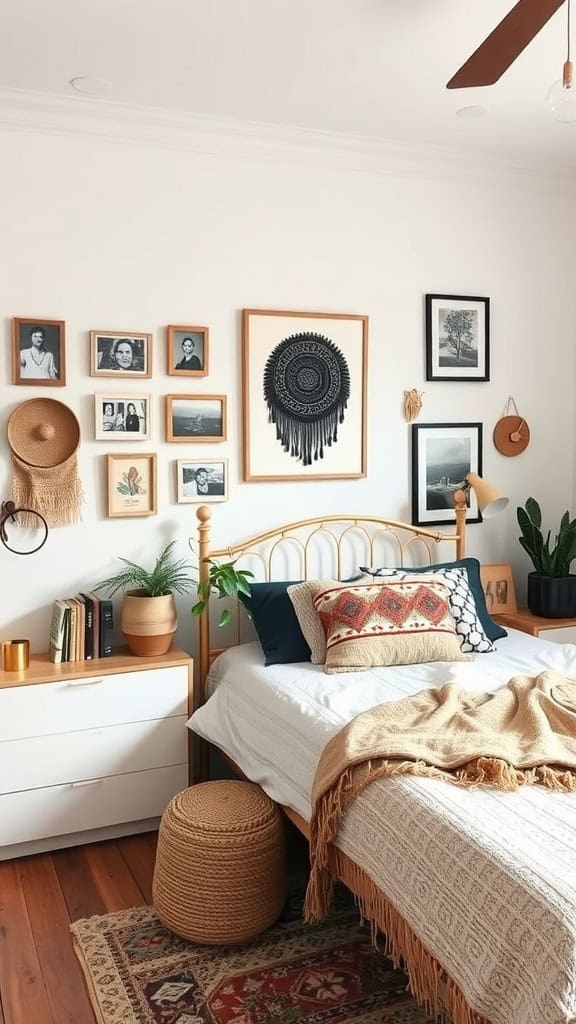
16	655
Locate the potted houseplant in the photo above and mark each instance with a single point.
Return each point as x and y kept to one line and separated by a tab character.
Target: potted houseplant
227	581
148	613
551	587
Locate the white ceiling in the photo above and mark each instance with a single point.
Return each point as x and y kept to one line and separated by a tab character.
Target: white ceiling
360	67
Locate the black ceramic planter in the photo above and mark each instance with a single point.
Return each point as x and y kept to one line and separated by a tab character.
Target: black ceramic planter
552	598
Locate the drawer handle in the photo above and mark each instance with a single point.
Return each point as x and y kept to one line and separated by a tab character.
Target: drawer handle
88	782
85	682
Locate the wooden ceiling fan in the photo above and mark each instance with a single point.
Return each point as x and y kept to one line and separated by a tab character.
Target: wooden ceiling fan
495	55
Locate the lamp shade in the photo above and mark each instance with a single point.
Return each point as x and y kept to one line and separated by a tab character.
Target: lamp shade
490	501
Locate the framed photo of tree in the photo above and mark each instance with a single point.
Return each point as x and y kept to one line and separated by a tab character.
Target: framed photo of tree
457	337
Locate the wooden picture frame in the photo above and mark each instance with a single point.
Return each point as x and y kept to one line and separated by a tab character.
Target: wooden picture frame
498	586
304	395
122	417
191	419
442	455
457	337
38	352
187	351
201	481
120	354
132	484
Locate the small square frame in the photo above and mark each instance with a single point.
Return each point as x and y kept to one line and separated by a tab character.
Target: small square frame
498	586
200	337
200	498
25	325
192	438
458	365
134	462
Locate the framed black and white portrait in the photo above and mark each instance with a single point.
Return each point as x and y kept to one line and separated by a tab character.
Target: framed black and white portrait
304	377
442	456
457	337
38	352
200	480
187	351
193	418
122	417
120	354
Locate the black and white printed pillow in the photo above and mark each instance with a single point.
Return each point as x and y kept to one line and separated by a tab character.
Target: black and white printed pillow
473	639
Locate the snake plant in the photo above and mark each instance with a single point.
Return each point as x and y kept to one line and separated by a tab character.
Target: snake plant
553	562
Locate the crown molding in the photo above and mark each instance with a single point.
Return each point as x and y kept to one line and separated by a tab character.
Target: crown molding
120	123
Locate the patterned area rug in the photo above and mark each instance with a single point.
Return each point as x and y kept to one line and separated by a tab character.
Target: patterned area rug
139	973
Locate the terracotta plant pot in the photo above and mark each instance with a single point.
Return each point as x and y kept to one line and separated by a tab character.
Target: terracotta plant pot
148	623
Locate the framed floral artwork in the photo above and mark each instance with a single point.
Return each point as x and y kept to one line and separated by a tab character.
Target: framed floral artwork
132	485
304	387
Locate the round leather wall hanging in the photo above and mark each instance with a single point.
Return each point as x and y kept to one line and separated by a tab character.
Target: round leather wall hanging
511	433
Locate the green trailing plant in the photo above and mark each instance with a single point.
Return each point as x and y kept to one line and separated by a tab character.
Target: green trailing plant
226	581
168	576
553	562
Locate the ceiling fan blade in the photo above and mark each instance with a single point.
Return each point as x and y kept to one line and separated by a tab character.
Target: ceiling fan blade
495	55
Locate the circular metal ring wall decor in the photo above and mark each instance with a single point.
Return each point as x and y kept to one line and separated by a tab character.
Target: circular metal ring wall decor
31	519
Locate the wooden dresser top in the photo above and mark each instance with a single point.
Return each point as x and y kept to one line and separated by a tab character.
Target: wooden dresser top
42	670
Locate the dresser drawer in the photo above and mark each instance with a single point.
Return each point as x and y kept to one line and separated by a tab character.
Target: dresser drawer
76	756
562	635
97	701
61	810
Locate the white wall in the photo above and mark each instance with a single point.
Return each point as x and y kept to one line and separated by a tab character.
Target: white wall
113	236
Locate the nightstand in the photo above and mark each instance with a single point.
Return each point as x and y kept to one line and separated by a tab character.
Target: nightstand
560	631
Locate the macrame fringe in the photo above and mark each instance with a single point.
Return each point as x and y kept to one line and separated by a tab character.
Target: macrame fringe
306	440
55	492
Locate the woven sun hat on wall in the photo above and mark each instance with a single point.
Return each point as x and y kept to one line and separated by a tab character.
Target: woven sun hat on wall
44	436
220	874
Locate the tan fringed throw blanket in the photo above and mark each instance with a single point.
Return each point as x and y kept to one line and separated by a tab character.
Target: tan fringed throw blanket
54	491
524	734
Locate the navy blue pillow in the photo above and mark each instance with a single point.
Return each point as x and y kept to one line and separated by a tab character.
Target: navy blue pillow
276	623
472	565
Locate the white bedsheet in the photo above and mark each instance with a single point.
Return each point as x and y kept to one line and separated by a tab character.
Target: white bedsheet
486	879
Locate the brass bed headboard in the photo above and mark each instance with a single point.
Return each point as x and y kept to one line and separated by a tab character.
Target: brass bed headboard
264	546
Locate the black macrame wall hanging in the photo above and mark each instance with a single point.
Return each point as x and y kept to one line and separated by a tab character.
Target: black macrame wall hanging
306	390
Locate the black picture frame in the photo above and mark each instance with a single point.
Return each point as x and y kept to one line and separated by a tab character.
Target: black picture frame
442	455
467	356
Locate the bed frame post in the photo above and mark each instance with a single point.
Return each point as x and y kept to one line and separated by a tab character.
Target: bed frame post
203	515
461	508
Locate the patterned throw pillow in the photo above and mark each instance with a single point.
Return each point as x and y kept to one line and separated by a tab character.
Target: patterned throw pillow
392	623
473	639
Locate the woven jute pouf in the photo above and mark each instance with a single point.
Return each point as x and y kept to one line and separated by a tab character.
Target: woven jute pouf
220	874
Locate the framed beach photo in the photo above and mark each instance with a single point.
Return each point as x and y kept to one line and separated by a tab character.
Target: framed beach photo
193	418
120	354
201	480
304	386
122	417
442	456
38	352
131	485
457	337
187	351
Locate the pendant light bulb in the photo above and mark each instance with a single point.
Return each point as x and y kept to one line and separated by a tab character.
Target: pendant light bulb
562	94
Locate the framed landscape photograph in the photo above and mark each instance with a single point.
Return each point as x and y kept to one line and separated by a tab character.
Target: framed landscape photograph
193	418
187	351
304	387
442	456
131	485
200	480
498	586
122	417
120	354
457	337
38	352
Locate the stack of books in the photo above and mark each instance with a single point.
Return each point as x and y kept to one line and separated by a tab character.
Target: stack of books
81	628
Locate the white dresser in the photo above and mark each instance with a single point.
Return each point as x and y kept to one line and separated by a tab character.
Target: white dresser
91	750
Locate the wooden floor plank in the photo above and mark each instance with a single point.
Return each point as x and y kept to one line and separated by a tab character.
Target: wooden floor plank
2	1020
139	857
113	877
24	996
50	925
152	839
80	891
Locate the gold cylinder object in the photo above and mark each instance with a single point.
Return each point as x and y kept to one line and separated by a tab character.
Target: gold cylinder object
16	655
